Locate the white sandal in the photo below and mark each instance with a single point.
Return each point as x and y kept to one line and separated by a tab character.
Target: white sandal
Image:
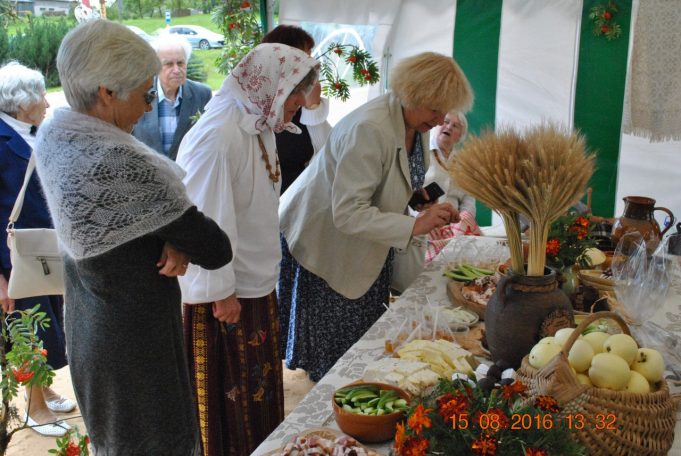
48	430
61	405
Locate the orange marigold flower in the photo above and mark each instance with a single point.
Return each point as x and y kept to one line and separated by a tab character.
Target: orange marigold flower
553	247
484	446
547	403
419	419
582	221
455	405
536	452
508	391
400	437
416	447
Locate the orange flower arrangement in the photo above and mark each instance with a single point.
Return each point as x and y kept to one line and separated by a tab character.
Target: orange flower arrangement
569	237
455	419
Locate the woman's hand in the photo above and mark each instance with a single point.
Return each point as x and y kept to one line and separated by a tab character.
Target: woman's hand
436	216
6	302
172	263
227	310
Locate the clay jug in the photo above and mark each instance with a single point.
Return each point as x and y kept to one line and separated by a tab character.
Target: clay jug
639	216
523	310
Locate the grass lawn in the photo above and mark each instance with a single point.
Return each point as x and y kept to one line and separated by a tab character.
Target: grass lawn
151	24
208	57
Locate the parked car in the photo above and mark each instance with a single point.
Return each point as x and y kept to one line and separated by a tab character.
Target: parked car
199	37
141	33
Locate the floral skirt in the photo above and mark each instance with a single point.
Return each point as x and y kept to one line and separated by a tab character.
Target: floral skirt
318	325
236	375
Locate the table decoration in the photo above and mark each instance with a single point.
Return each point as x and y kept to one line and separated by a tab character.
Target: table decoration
539	175
457	419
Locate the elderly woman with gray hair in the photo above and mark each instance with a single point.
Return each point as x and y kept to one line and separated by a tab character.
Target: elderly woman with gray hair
128	229
22	110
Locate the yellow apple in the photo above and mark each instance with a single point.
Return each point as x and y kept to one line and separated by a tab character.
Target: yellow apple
621	345
584	380
548	340
609	371
650	364
562	335
596	340
580	355
542	354
637	383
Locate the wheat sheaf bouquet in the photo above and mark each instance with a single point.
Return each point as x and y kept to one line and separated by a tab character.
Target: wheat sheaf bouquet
538	174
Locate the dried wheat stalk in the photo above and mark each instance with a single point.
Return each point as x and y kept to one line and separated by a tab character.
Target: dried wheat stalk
538	175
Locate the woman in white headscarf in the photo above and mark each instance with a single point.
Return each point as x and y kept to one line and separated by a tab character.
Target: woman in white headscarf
230	315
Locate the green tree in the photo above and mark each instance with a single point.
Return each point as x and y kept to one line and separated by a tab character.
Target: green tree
196	70
4	45
7	13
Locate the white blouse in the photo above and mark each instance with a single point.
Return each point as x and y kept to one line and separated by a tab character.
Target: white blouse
228	181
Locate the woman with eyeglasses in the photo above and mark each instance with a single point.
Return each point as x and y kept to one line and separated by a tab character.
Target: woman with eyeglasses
128	230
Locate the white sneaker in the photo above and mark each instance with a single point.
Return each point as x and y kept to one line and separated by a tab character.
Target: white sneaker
48	430
61	405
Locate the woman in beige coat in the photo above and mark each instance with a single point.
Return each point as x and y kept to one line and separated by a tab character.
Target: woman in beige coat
341	218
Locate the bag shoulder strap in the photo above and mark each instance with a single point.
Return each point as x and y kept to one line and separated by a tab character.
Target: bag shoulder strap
19	203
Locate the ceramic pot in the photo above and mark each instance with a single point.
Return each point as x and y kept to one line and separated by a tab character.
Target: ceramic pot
522	310
639	216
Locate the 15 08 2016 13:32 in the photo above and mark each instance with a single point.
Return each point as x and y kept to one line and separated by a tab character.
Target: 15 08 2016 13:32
541	421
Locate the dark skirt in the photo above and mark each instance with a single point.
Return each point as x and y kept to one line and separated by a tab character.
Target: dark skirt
319	325
237	375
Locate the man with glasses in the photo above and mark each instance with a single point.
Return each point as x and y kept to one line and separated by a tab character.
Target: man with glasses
174	99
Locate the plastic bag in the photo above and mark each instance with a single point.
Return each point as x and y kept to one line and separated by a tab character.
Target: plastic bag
641	286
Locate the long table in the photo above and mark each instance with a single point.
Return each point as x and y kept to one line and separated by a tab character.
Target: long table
315	410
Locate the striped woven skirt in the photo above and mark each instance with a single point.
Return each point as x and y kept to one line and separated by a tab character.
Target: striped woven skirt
236	375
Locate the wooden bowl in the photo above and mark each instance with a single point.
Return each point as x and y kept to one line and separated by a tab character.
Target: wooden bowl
368	428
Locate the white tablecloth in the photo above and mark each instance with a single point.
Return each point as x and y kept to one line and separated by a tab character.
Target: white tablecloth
315	411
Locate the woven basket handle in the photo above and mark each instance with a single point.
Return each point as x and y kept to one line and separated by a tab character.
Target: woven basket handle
590	319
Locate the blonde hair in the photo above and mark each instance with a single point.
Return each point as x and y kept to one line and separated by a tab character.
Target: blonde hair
433	81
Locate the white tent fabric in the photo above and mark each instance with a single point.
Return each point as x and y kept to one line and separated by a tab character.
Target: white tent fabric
538	56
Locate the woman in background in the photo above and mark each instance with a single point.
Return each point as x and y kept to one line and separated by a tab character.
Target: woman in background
444	141
296	149
230	315
22	110
347	210
128	229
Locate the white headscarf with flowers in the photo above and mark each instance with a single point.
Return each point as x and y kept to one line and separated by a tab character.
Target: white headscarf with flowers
261	83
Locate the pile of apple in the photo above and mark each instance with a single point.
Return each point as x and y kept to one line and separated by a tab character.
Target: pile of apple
603	360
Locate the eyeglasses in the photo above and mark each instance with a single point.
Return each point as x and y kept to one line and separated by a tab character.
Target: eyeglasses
149	96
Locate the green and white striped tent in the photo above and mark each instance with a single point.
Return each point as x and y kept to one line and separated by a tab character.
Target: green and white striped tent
528	60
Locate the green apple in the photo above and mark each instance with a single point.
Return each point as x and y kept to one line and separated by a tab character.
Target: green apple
596	340
621	345
580	355
562	335
650	364
584	380
609	371
637	383
541	354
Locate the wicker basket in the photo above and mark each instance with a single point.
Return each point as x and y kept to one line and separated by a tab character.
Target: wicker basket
642	424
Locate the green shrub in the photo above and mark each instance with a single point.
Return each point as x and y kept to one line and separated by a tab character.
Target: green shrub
36	46
4	46
195	69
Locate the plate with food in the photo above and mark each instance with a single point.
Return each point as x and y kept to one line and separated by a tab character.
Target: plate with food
322	441
473	295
